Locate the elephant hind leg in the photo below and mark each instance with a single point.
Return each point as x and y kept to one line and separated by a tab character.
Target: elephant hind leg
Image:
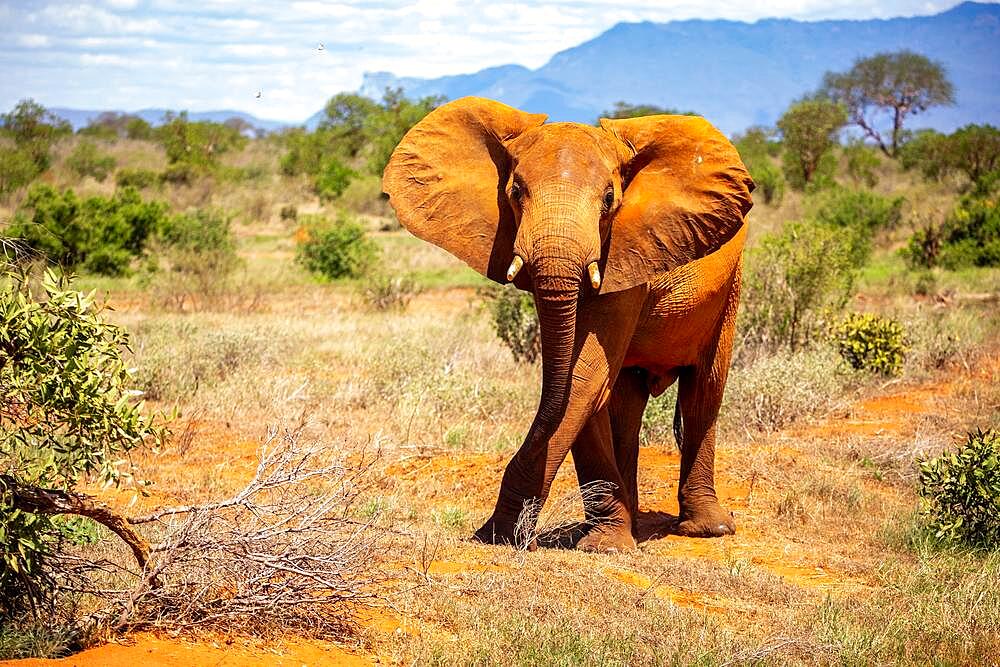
700	396
625	408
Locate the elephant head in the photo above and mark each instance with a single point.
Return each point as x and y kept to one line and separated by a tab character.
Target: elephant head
566	210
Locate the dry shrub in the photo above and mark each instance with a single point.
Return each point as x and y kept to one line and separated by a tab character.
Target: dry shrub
557	524
774	391
175	357
943	337
285	552
383	292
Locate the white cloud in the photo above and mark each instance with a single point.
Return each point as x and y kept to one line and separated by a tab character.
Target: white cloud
33	41
255	50
97	59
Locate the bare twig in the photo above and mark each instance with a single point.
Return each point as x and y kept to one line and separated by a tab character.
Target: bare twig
558	524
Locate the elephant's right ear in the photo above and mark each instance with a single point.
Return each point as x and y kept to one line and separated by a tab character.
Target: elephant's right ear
447	179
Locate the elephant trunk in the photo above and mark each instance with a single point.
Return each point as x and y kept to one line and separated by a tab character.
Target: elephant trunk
556	297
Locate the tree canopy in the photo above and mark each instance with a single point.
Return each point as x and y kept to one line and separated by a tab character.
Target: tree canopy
809	129
888	86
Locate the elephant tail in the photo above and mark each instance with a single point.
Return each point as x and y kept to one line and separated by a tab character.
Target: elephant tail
678	425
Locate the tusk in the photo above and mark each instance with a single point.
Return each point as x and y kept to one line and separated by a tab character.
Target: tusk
515	266
595	275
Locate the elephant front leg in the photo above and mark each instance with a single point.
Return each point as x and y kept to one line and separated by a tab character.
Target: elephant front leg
626	407
530	473
606	495
598	353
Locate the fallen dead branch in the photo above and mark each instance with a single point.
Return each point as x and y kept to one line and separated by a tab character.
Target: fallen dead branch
285	552
54	501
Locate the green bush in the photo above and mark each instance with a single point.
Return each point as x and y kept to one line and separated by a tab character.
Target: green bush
515	321
862	161
181	173
67	412
970	236
961	492
337	250
861	211
304	151
85	161
923	250
973	150
857	209
794	283
332	179
927	152
770	183
97	234
872	343
17	169
199	251
136	178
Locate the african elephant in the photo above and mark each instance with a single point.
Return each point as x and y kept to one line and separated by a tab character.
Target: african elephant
630	236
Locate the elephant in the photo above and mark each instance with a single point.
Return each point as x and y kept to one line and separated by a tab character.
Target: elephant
630	237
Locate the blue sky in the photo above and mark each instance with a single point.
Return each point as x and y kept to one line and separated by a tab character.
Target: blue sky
217	54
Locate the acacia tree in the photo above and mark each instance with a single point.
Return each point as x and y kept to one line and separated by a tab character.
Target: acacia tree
67	414
888	84
809	131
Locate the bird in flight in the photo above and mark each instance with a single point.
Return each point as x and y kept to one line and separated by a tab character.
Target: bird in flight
321	47
258	94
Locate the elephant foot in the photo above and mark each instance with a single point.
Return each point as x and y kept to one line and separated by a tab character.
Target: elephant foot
493	532
608	538
707	519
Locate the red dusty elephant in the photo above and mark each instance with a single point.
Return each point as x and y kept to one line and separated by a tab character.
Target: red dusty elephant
630	236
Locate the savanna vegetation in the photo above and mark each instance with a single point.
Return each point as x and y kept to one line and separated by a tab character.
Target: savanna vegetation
276	352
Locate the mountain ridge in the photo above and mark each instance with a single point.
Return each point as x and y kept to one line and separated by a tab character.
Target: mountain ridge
737	74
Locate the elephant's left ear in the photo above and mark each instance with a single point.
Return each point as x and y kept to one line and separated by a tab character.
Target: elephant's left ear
686	194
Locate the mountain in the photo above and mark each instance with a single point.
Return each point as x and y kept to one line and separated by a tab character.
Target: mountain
81	117
735	74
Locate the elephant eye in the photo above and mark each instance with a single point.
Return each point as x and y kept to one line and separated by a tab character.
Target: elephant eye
609	199
515	191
